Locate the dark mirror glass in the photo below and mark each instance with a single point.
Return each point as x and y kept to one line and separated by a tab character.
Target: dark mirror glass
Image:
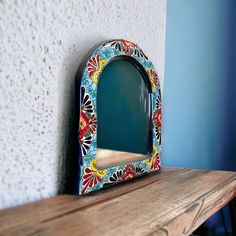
123	113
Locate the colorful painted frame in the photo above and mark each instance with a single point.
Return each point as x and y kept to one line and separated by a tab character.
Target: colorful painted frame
89	177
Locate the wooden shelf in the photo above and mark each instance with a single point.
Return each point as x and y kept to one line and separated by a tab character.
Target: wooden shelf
174	201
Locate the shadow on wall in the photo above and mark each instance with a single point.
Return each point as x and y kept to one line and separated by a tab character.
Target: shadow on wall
67	169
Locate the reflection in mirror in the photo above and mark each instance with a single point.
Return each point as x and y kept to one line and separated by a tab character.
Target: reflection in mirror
124	113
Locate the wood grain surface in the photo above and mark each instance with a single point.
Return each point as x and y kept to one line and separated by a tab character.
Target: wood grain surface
174	201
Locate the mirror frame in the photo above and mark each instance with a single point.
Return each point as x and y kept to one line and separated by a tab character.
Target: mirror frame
89	178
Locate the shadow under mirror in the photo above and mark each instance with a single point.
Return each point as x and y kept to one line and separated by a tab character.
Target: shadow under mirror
124	115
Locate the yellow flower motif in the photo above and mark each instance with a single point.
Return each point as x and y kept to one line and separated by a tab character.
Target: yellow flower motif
97	172
150	160
101	65
153	78
154	162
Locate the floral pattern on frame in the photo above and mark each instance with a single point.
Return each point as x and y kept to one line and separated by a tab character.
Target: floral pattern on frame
91	178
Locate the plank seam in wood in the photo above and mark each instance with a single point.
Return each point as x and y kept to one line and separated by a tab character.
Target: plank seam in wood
142	183
91	204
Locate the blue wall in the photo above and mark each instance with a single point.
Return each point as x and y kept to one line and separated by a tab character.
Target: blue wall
199	102
199	94
232	99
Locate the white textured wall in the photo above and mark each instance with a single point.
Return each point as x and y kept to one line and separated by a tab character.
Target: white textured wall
41	46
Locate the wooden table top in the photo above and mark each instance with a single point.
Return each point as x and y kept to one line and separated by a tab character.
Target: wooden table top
174	201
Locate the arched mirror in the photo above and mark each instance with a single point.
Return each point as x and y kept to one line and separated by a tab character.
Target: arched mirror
119	116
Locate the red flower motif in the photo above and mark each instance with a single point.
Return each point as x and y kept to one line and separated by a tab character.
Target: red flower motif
93	63
95	66
87	123
129	172
93	123
84	124
127	44
157	118
90	179
155	164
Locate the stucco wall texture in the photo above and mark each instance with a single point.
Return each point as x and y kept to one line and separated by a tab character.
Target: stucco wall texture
41	45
